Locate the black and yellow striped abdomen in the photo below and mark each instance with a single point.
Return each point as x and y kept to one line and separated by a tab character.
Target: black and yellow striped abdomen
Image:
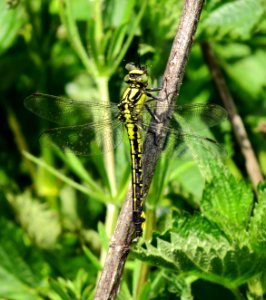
137	178
131	108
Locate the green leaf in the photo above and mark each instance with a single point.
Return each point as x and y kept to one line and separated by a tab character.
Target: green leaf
228	203
116	42
41	223
145	291
103	236
78	289
119	12
76	166
197	247
81	10
55	172
10	22
242	72
235	20
21	270
92	258
124	292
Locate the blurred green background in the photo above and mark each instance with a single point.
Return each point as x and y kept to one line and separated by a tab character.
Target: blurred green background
57	210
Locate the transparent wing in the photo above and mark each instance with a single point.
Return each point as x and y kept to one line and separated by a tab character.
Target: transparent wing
181	132
81	138
68	112
195	116
189	146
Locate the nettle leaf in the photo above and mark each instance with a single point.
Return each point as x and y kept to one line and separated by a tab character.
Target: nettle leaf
228	203
22	269
41	223
197	247
235	20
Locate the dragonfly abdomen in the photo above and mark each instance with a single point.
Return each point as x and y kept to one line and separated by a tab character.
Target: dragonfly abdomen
134	136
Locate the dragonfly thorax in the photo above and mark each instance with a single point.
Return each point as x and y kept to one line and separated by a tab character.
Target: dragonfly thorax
133	99
131	105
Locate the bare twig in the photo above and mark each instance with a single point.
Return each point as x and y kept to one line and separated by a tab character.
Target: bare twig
120	242
252	165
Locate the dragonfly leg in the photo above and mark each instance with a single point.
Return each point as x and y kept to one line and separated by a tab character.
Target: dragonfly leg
154	97
154	117
149	92
154	89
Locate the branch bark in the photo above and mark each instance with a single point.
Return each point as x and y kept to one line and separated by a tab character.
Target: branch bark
123	236
252	165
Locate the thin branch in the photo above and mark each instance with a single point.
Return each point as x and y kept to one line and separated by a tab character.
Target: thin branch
252	165
120	242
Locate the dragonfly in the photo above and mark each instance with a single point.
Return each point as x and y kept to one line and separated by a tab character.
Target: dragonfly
85	121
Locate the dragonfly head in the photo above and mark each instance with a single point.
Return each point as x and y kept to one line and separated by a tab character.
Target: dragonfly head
137	75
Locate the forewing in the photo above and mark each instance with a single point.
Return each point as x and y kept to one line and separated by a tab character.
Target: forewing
80	139
68	112
193	116
199	116
189	146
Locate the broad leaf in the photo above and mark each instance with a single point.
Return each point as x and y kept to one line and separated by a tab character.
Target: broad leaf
197	247
235	20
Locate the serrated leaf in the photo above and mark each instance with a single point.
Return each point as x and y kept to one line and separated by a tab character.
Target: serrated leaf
236	19
228	203
197	247
41	223
20	269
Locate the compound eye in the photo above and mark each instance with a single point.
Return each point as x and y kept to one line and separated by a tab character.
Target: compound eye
133	76
143	78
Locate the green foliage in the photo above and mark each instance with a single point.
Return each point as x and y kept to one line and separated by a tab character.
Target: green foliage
235	20
22	269
57	210
67	290
223	245
10	22
40	223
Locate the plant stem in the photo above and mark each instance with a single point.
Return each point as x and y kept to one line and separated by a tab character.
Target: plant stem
109	162
130	37
59	175
252	165
73	34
